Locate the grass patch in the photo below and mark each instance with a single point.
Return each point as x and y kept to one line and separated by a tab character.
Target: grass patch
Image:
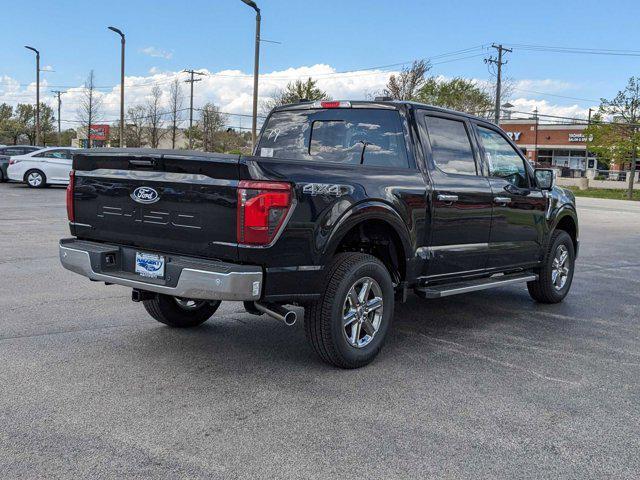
605	193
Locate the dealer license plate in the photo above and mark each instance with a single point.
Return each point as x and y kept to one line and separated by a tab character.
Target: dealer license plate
149	265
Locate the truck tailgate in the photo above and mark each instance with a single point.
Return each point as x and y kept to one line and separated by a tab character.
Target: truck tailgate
158	200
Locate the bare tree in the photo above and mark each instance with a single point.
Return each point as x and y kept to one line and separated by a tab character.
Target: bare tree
154	121
90	106
211	122
135	126
408	82
176	99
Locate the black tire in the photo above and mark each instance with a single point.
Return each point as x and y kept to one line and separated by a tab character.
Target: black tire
34	184
180	313
544	290
3	178
323	321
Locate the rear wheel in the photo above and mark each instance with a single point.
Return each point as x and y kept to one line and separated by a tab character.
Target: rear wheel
3	178
35	179
348	325
556	274
180	312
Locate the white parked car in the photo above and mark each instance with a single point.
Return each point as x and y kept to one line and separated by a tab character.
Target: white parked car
49	166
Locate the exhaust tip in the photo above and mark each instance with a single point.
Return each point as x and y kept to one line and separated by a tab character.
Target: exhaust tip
290	318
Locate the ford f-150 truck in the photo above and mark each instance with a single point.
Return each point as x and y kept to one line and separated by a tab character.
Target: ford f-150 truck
344	208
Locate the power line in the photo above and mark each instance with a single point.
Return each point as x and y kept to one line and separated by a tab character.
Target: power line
577	50
555	95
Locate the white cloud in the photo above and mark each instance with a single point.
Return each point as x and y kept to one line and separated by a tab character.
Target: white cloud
528	105
157	52
232	91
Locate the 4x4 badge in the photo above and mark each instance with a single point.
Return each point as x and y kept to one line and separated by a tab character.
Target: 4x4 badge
326	189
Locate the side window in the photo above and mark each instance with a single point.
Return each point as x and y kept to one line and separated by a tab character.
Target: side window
504	161
12	151
54	154
450	146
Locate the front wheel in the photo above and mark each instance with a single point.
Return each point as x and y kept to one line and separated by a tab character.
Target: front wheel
348	325
556	274
180	312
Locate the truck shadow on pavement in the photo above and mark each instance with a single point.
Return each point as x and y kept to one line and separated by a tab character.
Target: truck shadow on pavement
245	341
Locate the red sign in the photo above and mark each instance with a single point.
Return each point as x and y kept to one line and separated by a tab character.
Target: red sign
99	132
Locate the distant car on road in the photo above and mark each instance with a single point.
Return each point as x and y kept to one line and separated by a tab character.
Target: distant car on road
47	166
7	151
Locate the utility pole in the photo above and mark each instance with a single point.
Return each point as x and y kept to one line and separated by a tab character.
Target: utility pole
122	45
499	62
37	142
535	151
256	65
191	81
58	94
586	143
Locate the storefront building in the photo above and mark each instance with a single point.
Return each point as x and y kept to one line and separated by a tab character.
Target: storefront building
99	137
552	145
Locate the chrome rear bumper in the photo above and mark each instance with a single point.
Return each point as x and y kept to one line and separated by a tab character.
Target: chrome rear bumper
186	277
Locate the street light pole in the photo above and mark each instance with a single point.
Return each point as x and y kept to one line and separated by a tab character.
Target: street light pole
37	142
256	65
122	44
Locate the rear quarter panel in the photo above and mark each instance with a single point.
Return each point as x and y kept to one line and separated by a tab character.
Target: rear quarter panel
319	220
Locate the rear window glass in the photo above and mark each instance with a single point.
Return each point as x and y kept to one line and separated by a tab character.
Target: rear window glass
371	137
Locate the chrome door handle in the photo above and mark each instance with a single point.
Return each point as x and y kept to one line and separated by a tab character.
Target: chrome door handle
501	199
448	198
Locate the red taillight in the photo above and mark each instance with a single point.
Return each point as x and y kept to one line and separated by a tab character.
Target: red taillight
262	209
12	161
70	210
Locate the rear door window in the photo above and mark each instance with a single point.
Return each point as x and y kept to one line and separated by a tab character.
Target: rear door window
372	137
450	146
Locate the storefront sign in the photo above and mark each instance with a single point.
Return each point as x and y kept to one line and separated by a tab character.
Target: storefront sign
515	136
579	137
99	132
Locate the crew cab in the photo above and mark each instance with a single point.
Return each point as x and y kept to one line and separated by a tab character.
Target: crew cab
344	208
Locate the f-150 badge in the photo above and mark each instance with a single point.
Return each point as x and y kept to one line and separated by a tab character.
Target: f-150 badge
326	189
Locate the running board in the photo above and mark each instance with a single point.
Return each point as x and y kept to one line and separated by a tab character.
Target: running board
438	291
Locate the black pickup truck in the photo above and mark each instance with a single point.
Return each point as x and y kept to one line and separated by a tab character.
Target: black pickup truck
344	208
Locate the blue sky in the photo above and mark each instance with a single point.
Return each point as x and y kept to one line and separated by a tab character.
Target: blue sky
217	35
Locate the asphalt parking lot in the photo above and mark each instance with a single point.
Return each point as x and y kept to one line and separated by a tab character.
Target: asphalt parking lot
486	385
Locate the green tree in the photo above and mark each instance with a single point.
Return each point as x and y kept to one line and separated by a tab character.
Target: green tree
618	141
66	137
457	94
293	93
25	122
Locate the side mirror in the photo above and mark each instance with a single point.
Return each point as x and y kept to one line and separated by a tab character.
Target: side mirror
545	178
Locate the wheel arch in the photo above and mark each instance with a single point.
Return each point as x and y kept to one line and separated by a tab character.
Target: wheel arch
567	221
375	228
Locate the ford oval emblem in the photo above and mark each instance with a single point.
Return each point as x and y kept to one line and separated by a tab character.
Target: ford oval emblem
145	195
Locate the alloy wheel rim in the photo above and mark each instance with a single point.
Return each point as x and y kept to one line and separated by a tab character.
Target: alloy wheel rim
560	268
362	312
34	179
